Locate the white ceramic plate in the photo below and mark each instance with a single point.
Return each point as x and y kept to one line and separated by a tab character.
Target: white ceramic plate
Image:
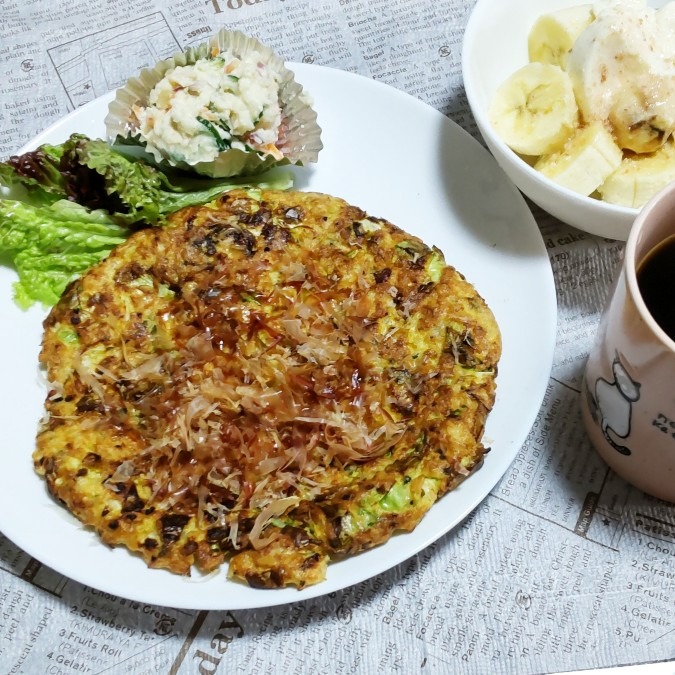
398	159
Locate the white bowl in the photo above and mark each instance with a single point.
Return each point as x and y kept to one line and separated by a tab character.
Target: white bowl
495	46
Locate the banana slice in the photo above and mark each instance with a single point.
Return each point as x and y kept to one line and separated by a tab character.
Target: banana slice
634	128
553	35
639	178
585	162
534	110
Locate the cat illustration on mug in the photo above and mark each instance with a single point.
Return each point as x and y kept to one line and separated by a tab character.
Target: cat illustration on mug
611	404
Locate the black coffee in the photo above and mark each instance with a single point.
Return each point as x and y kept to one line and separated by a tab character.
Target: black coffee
656	281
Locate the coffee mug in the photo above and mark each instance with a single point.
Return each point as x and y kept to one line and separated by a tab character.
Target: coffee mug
628	395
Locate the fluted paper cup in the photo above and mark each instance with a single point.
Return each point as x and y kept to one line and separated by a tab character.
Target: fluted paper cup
299	135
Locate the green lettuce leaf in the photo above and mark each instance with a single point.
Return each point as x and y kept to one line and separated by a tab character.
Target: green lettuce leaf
53	245
93	174
149	195
35	174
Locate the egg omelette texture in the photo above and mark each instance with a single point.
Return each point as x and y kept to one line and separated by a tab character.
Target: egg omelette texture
273	379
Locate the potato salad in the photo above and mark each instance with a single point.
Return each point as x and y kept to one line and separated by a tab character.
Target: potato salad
196	111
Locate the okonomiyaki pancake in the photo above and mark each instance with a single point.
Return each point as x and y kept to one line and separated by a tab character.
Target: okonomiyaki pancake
273	379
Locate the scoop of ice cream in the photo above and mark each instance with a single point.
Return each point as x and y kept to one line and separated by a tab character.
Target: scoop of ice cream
623	71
